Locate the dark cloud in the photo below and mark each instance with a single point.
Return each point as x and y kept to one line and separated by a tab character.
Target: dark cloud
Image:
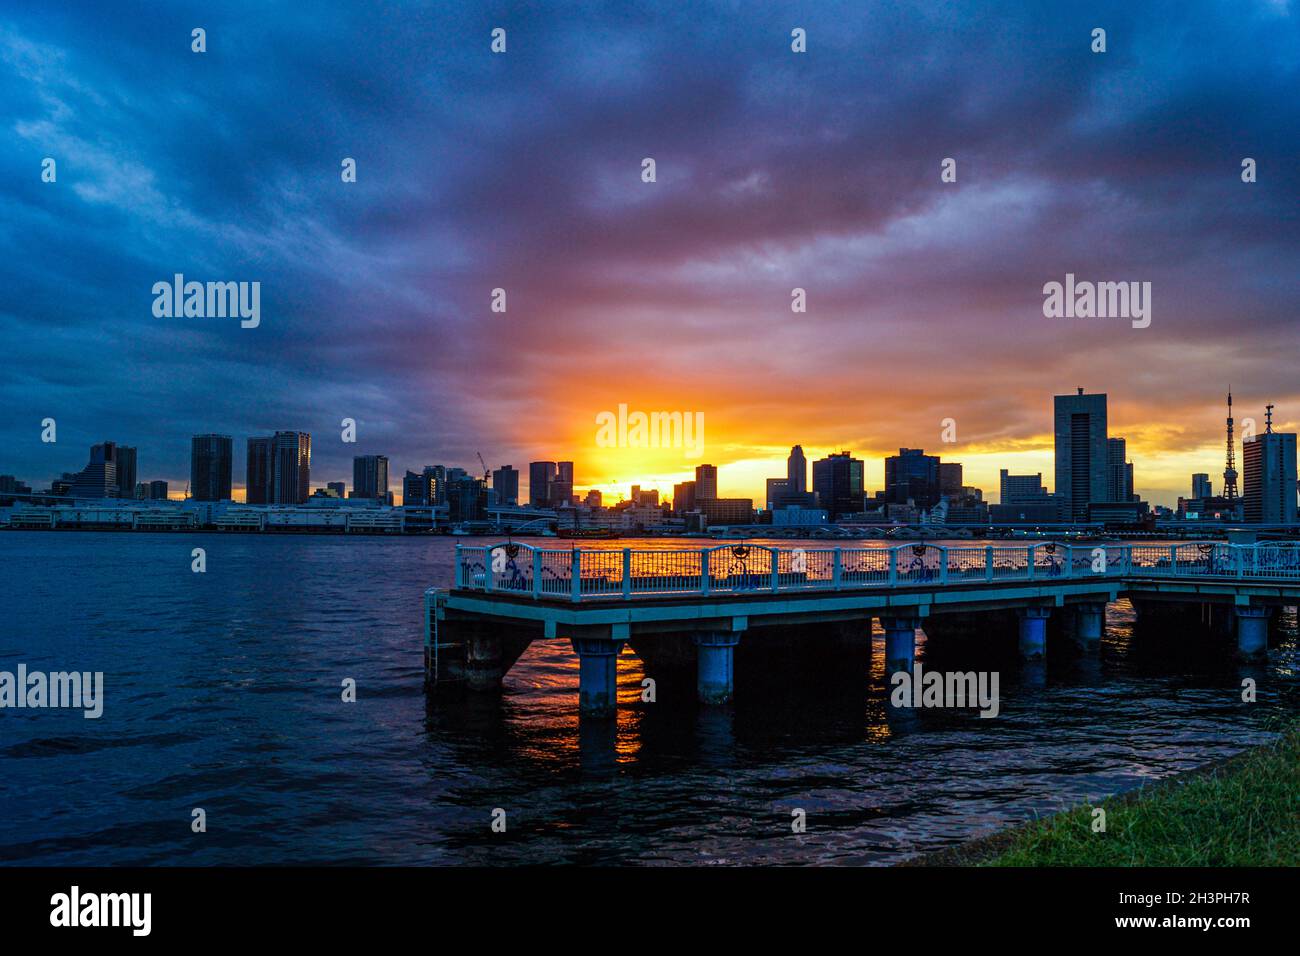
522	171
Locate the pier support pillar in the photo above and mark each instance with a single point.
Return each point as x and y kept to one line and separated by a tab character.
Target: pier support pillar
597	675
1033	632
716	666
1252	632
900	642
1089	624
484	662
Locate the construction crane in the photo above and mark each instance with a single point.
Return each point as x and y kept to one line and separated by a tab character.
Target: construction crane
486	472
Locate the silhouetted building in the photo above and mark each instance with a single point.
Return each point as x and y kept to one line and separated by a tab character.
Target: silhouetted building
505	482
211	467
950	479
126	471
1081	453
724	511
1022	489
1201	488
706	482
466	499
796	467
370	477
279	469
1119	471
540	476
684	497
838	484
157	490
1269	477
100	478
339	488
912	475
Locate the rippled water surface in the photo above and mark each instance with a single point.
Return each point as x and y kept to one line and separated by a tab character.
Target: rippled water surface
223	692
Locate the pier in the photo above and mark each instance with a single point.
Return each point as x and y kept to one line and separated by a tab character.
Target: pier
692	608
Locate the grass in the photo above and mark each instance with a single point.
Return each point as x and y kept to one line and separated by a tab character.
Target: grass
1243	811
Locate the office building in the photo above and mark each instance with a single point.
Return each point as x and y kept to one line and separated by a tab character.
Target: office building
912	475
370	477
1079	422
278	470
706	482
1021	489
950	479
211	467
157	490
1201	488
796	467
1269	476
505	482
126	471
541	474
838	484
683	497
1119	471
100	479
726	511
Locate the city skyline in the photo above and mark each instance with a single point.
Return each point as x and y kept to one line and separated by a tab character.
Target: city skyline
775	171
973	477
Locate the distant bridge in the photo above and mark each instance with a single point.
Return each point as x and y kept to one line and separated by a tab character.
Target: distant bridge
506	595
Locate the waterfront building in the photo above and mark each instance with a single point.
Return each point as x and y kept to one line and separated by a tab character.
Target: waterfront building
211	467
1081	453
725	511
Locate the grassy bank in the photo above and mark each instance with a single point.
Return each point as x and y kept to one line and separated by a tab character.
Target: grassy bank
1244	811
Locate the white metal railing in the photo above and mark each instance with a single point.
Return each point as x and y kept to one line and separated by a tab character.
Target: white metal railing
578	574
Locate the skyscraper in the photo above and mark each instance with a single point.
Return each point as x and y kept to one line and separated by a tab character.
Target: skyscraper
279	469
211	467
838	484
912	474
1081	453
950	479
505	482
1119	471
684	497
1269	476
562	486
99	479
1201	487
126	471
257	473
370	477
706	482
796	468
540	476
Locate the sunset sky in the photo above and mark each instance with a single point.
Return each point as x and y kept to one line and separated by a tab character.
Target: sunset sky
522	171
